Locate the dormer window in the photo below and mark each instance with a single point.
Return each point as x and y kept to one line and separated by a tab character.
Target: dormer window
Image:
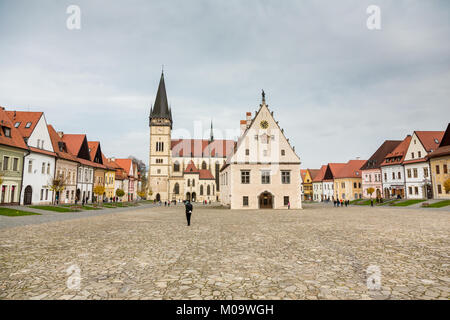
17	124
28	125
7	132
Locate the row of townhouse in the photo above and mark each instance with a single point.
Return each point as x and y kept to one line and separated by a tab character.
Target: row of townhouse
39	165
413	168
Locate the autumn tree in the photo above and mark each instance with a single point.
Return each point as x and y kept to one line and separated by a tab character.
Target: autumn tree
99	190
370	191
57	185
120	193
446	185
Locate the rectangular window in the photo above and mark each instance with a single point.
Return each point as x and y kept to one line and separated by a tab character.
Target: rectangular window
416	190
399	175
439	189
42	194
412	155
285	177
385	176
437	169
245	201
420	154
286	200
425	172
393	175
5	163
342	184
46	194
283	152
48	168
410	190
265	177
247	152
409	173
43	167
30	166
354	185
16	164
445	169
245	177
415	172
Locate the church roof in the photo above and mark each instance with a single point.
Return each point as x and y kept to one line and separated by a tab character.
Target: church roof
201	148
161	107
204	174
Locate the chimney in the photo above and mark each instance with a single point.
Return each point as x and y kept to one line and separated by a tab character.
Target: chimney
60	134
112	159
357	158
249	119
243	126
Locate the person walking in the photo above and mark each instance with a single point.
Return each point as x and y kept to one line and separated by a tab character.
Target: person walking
189	209
289	205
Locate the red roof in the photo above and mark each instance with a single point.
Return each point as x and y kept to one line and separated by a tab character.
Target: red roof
350	170
204	174
73	142
93	146
56	142
16	139
24	117
396	157
202	148
430	139
313	173
320	175
125	164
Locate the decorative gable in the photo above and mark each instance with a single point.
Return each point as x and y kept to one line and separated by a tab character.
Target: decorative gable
264	142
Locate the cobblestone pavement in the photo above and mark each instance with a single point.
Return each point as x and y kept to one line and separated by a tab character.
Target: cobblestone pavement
150	253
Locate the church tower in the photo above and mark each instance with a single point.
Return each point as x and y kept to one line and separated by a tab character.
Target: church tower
160	144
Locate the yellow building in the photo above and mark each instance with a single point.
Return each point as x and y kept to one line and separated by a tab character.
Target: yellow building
307	182
110	178
440	163
347	181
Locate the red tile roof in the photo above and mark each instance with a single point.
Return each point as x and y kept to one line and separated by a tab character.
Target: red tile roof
204	174
125	164
191	168
25	117
398	155
93	146
319	177
444	147
199	148
313	173
73	142
56	141
350	170
16	139
430	139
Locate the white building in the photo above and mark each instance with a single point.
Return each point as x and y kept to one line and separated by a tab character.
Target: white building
263	172
392	171
318	185
417	168
39	164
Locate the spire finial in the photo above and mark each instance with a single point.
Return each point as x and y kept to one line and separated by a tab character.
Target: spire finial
212	134
162	69
263	96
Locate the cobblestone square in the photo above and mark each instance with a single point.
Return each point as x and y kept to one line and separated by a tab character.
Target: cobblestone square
149	253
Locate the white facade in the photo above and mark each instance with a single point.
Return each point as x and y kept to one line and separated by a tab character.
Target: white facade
393	180
318	191
39	168
417	174
85	181
328	190
264	170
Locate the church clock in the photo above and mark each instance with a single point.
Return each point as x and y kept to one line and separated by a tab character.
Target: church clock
264	124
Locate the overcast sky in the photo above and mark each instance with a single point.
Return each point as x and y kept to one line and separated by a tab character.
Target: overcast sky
338	89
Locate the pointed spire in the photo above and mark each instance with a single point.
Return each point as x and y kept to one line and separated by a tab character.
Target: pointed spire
161	107
263	97
211	132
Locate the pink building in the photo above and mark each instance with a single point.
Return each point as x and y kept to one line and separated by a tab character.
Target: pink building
371	170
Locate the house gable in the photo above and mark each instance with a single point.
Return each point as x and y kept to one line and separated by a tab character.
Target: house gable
39	137
415	146
265	142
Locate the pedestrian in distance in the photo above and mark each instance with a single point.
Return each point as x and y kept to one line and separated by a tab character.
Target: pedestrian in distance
289	205
189	210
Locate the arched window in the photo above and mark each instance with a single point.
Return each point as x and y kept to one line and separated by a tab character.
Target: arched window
193	182
203	165
189	182
176	166
217	175
201	190
212	187
176	189
208	190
